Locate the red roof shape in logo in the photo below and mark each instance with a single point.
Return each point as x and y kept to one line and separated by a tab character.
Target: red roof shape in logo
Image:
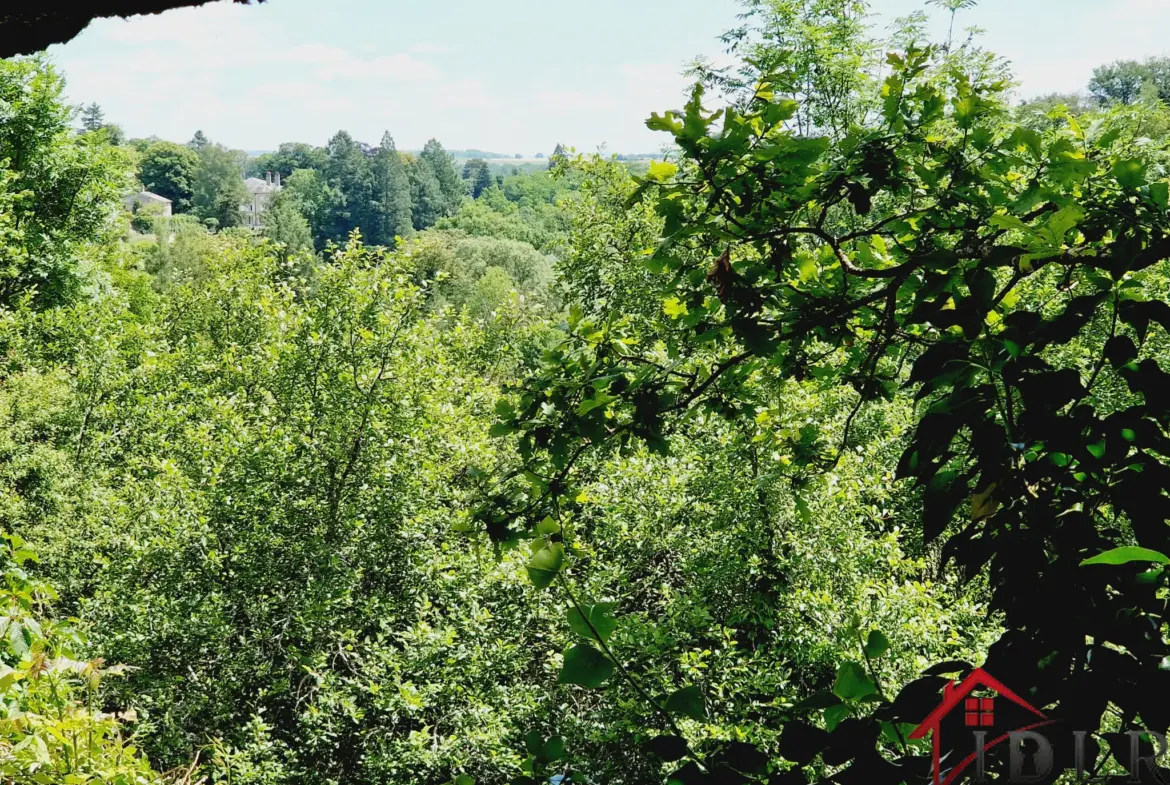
953	695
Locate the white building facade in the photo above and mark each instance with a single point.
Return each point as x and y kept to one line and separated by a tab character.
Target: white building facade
260	195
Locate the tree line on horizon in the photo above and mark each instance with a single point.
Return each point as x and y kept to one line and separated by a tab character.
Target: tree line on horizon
327	191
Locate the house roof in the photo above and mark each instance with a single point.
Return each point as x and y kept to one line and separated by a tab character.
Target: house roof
147	196
257	186
30	27
953	694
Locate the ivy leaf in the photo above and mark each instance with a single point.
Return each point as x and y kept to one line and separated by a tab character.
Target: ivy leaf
465	779
852	682
545	564
688	702
586	666
876	645
1126	555
600	615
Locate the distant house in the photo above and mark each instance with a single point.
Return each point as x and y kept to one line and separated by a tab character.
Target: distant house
260	194
136	203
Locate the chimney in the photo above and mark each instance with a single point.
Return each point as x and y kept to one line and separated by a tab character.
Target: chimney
268	178
278	179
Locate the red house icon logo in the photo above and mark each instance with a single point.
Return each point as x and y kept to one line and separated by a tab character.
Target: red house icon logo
978	715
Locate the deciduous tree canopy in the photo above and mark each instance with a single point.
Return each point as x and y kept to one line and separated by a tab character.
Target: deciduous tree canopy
708	469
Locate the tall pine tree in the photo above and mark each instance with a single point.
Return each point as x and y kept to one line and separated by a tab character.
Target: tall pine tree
483	180
348	170
444	171
392	209
93	118
426	195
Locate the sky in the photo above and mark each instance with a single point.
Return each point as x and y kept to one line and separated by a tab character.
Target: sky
508	76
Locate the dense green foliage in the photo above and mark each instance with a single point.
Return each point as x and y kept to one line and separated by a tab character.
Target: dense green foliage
218	189
55	188
287	159
1008	278
53	729
1128	81
702	471
333	190
169	170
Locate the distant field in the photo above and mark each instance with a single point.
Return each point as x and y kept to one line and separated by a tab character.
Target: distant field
544	161
516	161
499	160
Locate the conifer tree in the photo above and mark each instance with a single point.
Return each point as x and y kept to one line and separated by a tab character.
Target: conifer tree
440	164
348	170
483	180
391	195
93	118
426	195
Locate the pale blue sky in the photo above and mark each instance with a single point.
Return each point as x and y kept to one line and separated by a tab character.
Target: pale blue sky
508	76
